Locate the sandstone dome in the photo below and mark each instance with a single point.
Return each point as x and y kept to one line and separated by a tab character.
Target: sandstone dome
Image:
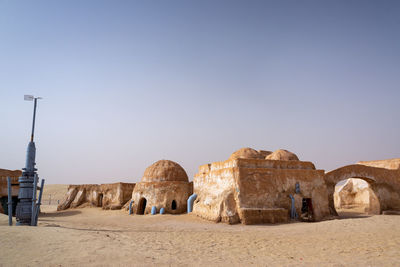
282	154
165	171
246	153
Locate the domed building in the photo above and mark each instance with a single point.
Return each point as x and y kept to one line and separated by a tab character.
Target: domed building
164	184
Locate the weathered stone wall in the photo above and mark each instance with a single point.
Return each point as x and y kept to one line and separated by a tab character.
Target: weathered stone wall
215	186
5	173
161	195
270	188
14	175
107	196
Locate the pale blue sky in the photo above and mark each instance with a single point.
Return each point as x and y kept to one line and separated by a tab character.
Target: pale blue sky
126	83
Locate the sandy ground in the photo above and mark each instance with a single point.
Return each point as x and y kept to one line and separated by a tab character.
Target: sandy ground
93	237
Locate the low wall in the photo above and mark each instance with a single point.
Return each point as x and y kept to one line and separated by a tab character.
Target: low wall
107	196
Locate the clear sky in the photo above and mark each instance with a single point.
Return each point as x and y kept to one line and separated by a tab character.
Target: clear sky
126	83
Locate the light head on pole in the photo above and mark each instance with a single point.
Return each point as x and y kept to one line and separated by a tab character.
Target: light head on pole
28	97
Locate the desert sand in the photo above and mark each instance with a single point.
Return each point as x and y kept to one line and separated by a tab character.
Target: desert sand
95	237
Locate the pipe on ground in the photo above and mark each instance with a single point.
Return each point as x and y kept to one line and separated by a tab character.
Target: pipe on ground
190	202
293	212
130	207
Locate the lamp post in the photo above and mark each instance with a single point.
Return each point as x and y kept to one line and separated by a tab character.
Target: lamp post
26	181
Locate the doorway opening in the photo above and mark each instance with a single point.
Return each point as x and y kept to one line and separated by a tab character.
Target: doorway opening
307	211
354	198
100	201
173	205
141	206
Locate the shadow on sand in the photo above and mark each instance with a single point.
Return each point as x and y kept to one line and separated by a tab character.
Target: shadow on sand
59	213
352	215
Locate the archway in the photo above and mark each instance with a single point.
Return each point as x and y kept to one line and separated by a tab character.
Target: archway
354	197
141	206
373	176
173	205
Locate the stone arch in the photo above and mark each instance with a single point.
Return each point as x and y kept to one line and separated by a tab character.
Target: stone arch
384	183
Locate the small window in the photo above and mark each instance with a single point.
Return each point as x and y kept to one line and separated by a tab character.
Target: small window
173	205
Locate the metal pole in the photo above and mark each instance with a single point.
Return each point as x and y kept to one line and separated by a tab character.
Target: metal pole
34	117
9	201
39	202
35	178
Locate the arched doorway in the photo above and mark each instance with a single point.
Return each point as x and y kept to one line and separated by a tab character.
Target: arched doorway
141	206
173	205
354	197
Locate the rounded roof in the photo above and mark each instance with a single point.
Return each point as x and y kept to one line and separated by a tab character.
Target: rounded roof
163	171
282	154
246	153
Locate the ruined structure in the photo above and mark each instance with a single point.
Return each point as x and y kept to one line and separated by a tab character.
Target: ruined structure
107	196
256	190
165	184
14	175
